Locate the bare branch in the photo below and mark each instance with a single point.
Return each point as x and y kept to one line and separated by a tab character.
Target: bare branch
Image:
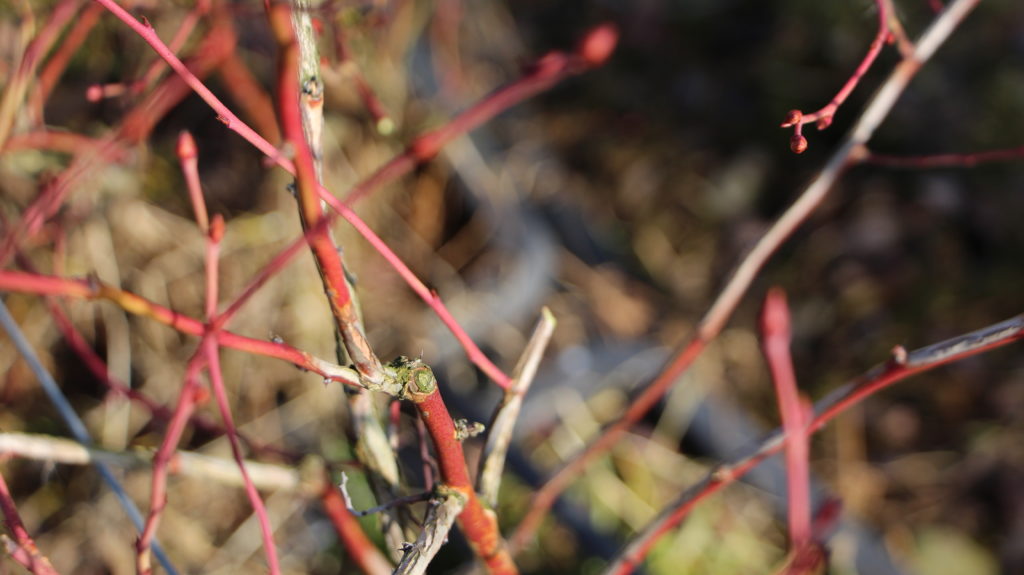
499	432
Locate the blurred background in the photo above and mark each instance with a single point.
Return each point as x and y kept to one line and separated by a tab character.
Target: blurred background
620	199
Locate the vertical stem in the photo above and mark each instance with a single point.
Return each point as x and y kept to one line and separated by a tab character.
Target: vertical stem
372	447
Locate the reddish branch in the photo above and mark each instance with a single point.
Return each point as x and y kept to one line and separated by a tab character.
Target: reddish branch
39	284
190	395
902	366
18	83
805	553
188	156
55	66
207	354
477	521
775	333
551	69
23	549
823	117
212	351
969	160
328	259
357	545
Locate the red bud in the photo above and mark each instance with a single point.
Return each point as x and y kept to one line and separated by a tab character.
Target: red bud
798	144
217	228
186	146
599	44
793	118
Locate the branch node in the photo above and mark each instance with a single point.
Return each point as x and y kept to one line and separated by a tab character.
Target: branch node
899	355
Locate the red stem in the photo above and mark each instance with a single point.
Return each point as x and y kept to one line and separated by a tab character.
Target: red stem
55	66
823	117
479	524
187	399
89	289
28	554
351	533
776	335
969	160
327	256
188	156
212	352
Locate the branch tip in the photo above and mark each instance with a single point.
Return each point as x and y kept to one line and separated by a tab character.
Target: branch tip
599	43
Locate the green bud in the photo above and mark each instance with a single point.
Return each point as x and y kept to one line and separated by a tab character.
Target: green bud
424	380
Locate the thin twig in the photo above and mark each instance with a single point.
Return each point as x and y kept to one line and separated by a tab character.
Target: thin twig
301	98
968	160
499	431
805	555
775	338
41	284
823	117
328	259
357	544
187	400
26	551
407	500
